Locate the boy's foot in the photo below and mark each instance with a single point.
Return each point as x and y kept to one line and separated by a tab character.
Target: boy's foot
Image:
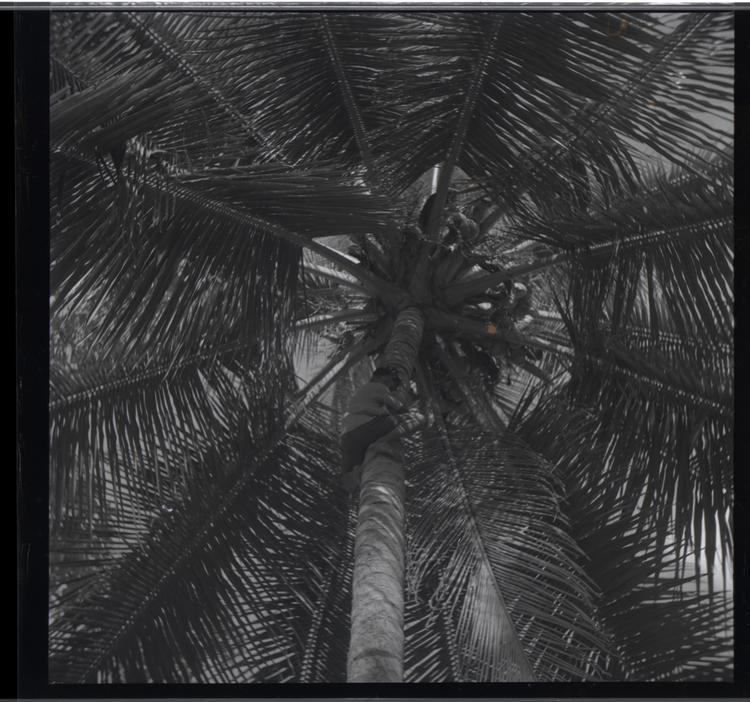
413	420
350	480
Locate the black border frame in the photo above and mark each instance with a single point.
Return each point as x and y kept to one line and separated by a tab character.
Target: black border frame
31	269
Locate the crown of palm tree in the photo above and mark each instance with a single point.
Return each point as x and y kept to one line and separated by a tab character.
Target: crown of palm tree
568	509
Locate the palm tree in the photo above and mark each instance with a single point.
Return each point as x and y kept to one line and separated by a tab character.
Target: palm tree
236	201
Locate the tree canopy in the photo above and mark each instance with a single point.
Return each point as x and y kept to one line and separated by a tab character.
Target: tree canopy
232	193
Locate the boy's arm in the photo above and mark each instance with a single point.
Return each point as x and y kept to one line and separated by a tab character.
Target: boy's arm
404	401
393	402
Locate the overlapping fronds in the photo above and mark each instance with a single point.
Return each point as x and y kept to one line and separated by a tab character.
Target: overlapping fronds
311	74
100	475
526	101
128	443
666	620
184	258
680	99
232	568
431	650
160	273
649	320
670	440
197	530
161	231
661	627
309	202
660	85
195	122
648	312
487	531
665	257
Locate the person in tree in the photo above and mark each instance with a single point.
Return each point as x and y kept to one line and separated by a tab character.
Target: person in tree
522	309
465	229
376	410
462	229
455	256
480	209
511	306
450	207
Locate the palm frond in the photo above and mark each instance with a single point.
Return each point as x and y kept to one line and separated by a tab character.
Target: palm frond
208	130
464	548
662	626
312	81
548	599
309	202
125	441
157	275
158	32
431	653
473	91
670	96
565	526
166	274
668	254
533	89
686	80
694	447
352	108
674	281
326	644
226	565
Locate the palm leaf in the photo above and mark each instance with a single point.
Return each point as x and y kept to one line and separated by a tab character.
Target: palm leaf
682	290
431	654
661	626
533	89
671	253
673	100
324	76
226	565
125	442
210	125
543	588
167	275
196	155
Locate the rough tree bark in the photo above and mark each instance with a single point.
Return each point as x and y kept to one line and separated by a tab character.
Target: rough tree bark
377	622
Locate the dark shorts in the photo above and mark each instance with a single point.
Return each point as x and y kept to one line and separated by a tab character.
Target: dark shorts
354	443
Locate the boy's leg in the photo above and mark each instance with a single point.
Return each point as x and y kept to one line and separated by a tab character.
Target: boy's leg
410	421
350	481
354	445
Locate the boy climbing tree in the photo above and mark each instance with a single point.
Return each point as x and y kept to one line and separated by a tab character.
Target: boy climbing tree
376	409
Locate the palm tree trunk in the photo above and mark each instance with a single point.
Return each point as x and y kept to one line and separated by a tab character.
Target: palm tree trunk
377	622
